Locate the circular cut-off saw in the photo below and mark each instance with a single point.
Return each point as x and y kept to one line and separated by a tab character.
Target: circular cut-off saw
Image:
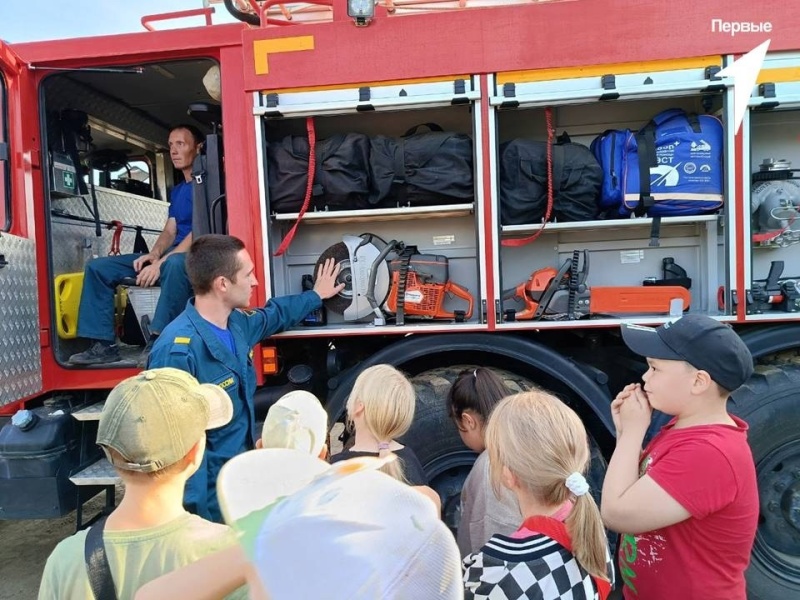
407	285
356	256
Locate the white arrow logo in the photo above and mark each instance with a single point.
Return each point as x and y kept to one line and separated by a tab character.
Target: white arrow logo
744	73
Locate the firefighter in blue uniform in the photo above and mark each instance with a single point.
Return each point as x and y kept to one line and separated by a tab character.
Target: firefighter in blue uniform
213	339
163	265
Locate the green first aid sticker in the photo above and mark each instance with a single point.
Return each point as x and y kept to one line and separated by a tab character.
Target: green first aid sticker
69	180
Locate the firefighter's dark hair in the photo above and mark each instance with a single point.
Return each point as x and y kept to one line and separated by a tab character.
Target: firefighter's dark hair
198	136
212	256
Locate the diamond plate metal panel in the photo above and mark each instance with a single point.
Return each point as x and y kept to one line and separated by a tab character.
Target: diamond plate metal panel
20	351
69	93
68	236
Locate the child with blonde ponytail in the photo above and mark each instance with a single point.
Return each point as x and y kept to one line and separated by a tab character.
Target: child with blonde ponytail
380	409
539	450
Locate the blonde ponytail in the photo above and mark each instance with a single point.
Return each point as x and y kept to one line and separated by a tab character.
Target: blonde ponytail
542	442
393	468
585	528
389	401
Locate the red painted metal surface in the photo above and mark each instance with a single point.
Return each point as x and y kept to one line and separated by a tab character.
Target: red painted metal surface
518	37
489	231
14	76
108	51
475	41
128	48
740	285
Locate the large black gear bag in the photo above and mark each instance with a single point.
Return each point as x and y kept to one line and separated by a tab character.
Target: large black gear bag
577	178
422	169
341	175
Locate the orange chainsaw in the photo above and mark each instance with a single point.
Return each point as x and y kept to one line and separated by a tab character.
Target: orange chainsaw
405	284
563	294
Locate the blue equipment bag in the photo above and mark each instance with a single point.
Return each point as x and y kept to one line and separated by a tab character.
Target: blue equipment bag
677	157
609	150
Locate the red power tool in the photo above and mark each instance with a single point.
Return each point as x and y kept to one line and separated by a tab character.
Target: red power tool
563	293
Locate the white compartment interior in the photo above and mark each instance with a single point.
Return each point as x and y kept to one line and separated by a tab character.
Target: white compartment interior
450	233
775	134
619	255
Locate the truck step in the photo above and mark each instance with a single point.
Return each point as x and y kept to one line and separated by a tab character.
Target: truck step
90	413
99	473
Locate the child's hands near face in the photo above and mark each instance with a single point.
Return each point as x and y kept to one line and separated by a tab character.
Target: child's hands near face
617	404
634	411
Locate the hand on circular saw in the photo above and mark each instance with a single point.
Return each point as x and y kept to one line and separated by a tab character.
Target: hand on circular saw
325	284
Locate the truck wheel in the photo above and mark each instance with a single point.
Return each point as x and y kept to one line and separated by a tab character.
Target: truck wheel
436	442
769	402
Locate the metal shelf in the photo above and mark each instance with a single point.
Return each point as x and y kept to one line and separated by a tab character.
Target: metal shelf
400	213
776	316
650	320
361	328
517	230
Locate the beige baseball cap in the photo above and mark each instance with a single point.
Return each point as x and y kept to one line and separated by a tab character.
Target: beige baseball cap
297	421
154	418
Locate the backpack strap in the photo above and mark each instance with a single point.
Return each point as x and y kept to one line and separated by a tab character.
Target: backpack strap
557	531
645	143
97	567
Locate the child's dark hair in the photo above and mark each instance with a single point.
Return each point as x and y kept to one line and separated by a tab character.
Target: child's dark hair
478	390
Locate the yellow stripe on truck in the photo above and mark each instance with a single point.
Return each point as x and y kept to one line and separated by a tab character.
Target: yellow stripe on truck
613	69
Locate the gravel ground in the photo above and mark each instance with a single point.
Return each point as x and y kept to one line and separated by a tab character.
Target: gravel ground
27	544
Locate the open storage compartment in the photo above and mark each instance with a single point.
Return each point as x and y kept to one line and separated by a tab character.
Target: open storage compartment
772	185
630	261
396	162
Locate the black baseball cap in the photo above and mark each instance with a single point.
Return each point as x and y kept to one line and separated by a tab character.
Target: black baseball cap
701	341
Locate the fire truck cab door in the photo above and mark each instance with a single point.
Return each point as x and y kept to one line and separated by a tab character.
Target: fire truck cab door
20	348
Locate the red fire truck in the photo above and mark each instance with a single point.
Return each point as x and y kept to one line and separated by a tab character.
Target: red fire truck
328	111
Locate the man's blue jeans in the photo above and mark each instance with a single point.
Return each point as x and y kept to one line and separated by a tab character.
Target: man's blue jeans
102	276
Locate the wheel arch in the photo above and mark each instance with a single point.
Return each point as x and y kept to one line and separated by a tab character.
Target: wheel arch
554	371
765	341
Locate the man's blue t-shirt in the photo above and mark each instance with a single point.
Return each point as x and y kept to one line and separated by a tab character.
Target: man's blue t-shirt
225	336
180	209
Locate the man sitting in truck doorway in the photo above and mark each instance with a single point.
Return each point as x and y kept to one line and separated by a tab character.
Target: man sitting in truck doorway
149	533
164	265
213	339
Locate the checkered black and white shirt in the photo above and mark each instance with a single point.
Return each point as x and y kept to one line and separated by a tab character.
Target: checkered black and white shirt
530	568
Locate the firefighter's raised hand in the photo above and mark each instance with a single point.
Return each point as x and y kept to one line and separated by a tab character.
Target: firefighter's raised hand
148	276
325	284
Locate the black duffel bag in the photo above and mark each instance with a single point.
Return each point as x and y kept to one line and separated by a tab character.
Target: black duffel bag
341	176
421	169
577	178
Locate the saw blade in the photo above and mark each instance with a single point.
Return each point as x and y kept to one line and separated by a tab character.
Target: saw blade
341	256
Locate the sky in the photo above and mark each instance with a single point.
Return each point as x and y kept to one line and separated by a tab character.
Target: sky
33	20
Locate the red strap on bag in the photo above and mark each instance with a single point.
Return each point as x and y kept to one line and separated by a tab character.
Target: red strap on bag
312	164
115	239
557	531
514	243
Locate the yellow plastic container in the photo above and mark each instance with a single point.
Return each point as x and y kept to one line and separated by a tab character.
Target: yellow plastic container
68	298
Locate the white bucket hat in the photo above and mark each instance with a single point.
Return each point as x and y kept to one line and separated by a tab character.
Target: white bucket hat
346	531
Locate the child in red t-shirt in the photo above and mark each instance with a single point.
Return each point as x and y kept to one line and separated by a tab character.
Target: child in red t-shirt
688	505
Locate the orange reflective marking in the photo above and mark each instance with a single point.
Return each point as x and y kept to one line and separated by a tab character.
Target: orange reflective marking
599	70
263	48
781	75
